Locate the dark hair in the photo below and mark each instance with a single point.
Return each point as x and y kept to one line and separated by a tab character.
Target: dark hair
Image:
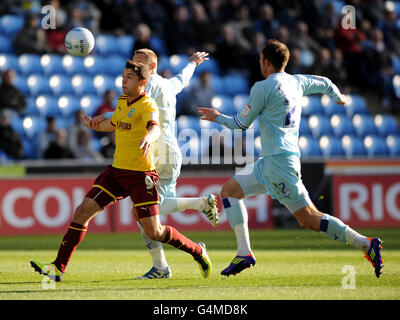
277	53
140	69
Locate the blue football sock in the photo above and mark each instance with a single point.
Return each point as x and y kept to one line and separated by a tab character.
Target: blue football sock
235	211
333	228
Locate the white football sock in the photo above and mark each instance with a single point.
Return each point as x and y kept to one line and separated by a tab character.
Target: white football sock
357	240
171	205
158	256
243	239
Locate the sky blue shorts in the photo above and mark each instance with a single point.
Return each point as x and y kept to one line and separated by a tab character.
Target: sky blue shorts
279	176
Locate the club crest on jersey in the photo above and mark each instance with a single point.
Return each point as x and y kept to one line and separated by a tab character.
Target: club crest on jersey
245	111
130	113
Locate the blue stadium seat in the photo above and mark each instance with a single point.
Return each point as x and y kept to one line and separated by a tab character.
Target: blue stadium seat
30	109
103	82
177	62
83	84
106	44
33	125
393	144
68	105
331	147
38	84
10	24
210	65
118	85
191	146
396	64
16	122
223	103
234	84
188	122
9	61
320	126
309	147
60	84
6	45
125	45
158	44
163	63
341	125
115	64
304	128
51	64
386	124
20	82
363	125
375	146
396	85
29	63
46	105
29	147
217	84
353	146
312	105
90	103
95	65
239	101
72	64
355	105
4	157
330	107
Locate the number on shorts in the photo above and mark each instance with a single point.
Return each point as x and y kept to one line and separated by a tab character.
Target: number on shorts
149	183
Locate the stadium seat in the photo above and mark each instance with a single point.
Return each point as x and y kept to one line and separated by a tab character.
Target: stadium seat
4	157
10	24
353	146
46	105
386	124
20	82
363	125
319	126
311	105
68	105
355	104
38	84
177	63
30	108
163	63
188	122
396	85
393	144
234	84
60	84
29	63
72	64
211	66
83	84
95	64
375	146
331	147
239	101
330	107
6	45
341	125
9	61
158	44
16	122
306	58
396	64
223	103
118	85
309	147
304	128
90	103
29	147
103	82
125	45
33	125
106	44
115	64
216	84
51	64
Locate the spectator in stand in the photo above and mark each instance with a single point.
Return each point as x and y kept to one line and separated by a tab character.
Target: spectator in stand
265	22
58	148
83	149
200	94
56	37
142	35
243	26
31	38
128	13
154	16
294	65
301	39
45	138
10	97
74	129
180	32
108	103
10	141
204	31
90	14
391	28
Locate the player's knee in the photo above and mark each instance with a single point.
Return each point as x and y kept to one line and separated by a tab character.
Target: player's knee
84	212
308	219
226	191
155	233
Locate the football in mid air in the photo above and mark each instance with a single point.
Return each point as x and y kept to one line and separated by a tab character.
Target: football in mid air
79	41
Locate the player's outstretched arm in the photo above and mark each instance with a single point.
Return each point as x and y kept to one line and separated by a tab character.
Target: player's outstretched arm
105	125
208	114
152	135
198	57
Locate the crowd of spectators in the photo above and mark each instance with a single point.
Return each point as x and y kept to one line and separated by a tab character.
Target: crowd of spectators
358	59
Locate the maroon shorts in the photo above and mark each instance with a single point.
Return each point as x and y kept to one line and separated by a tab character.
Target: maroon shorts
114	184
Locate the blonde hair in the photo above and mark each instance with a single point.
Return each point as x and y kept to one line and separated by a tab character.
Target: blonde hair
149	54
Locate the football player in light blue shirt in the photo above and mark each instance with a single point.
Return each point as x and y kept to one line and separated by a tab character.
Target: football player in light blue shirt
167	154
276	102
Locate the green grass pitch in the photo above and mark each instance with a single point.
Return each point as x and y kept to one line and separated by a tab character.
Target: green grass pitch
291	264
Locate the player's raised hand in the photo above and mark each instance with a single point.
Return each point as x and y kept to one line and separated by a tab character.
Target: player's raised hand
198	57
208	114
342	101
96	120
86	120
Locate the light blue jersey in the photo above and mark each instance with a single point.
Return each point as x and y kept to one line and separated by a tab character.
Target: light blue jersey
276	102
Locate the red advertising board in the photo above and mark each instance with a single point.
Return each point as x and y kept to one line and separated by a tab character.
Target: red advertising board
367	200
46	205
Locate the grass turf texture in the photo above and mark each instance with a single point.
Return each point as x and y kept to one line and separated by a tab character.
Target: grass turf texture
291	264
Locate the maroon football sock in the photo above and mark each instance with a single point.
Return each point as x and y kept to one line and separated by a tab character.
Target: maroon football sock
179	241
75	234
